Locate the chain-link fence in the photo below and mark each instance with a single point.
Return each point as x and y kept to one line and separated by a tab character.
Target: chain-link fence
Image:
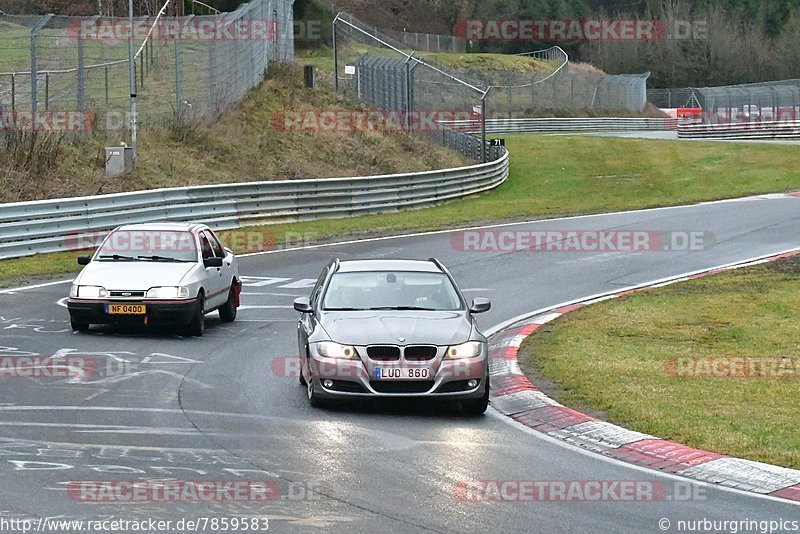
380	68
671	98
429	42
755	102
186	68
384	73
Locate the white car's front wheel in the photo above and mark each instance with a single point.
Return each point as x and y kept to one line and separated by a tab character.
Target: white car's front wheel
197	325
227	313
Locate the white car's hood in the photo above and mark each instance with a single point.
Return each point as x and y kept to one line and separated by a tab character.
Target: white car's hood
133	275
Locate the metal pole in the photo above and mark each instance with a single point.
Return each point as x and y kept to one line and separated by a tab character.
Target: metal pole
47	91
34	74
335	58
13	93
408	93
483	126
81	76
178	106
106	73
132	79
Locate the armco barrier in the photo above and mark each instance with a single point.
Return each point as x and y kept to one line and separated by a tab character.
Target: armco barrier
543	125
28	228
748	130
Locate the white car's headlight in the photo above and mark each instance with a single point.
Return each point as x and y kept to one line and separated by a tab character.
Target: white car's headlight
470	349
89	292
168	292
329	349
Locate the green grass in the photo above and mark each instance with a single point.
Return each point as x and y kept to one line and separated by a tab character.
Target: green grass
550	176
490	62
612	357
322	59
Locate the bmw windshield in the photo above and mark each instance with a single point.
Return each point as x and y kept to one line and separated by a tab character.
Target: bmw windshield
385	290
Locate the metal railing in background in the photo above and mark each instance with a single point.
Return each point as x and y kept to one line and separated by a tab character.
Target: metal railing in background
543	125
751	130
81	64
28	228
778	100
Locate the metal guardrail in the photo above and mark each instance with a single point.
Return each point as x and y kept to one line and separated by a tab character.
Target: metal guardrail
28	228
542	125
747	130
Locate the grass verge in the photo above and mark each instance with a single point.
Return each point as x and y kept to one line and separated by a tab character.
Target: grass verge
614	358
562	175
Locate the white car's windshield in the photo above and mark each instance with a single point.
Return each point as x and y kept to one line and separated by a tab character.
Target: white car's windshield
148	245
378	290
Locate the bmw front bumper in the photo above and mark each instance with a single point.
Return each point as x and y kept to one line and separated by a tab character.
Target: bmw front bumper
450	379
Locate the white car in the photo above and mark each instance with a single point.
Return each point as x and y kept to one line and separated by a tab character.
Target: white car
160	273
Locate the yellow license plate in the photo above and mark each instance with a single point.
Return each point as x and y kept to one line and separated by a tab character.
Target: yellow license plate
126	309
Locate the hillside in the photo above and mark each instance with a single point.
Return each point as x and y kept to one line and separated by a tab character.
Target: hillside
244	145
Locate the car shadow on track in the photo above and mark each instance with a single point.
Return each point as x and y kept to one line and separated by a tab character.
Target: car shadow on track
149	331
416	408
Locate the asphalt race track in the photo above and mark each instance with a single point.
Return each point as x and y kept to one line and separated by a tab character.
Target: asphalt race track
220	408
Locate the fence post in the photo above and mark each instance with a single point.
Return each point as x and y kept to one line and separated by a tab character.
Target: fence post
13	92
178	92
81	74
47	91
106	78
483	126
335	57
212	76
42	22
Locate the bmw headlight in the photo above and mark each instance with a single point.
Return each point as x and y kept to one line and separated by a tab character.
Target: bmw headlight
470	349
89	292
329	349
168	292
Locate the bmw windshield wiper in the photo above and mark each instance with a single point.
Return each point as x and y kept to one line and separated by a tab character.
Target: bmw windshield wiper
116	257
403	308
162	258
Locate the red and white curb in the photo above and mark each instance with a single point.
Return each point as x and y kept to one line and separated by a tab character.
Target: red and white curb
515	396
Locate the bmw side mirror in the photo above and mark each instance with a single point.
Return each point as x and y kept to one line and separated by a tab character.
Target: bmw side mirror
212	262
480	305
303	305
84	260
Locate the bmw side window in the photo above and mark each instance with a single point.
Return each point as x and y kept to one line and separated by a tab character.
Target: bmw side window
215	244
205	246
